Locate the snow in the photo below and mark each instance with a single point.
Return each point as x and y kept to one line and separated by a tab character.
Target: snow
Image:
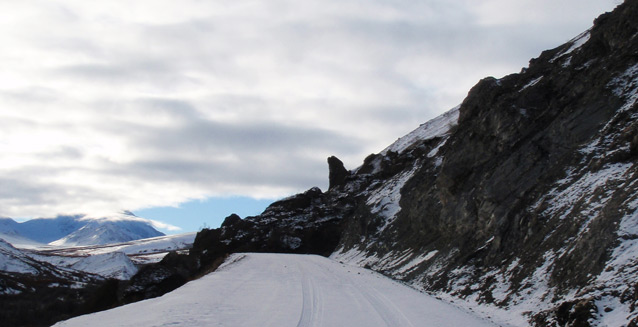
620	273
513	308
137	247
14	260
109	261
385	200
20	241
584	188
110	265
415	262
286	290
76	230
626	86
436	127
532	83
107	231
576	43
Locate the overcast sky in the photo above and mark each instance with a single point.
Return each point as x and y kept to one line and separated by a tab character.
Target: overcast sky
112	105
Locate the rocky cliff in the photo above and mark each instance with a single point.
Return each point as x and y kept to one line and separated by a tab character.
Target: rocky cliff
521	204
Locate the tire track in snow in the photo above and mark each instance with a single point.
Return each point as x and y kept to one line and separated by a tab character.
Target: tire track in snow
312	308
391	315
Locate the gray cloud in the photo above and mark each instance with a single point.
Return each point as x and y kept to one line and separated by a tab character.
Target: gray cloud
109	107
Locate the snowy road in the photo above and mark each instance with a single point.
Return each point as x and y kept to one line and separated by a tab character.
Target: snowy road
286	290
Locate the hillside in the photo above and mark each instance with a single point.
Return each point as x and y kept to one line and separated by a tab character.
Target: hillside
39	287
522	201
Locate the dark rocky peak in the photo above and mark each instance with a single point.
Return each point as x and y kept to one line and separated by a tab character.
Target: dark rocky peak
337	173
231	220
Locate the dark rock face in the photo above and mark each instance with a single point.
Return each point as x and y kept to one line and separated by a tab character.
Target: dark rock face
535	186
51	296
309	223
525	198
337	173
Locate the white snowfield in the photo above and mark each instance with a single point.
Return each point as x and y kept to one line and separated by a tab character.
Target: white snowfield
286	290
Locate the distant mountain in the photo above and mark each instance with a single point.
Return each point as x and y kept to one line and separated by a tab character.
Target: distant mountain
105	231
78	230
45	230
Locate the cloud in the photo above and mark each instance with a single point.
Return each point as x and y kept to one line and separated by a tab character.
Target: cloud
107	105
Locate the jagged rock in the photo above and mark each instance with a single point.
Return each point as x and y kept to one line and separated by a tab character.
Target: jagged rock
231	220
337	172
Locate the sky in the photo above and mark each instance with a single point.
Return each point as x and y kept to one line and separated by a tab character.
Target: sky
181	110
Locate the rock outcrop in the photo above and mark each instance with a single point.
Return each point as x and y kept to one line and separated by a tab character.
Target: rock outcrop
337	173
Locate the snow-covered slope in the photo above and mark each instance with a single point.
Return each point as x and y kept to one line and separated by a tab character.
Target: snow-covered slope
109	261
15	261
21	242
286	290
110	265
437	127
140	251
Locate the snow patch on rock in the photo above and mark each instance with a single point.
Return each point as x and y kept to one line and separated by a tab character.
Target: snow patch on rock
436	127
385	200
576	43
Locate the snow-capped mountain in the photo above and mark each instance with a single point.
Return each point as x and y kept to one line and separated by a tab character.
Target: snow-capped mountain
106	231
78	230
42	230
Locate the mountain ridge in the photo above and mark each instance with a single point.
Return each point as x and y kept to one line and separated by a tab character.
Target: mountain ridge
79	230
526	204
